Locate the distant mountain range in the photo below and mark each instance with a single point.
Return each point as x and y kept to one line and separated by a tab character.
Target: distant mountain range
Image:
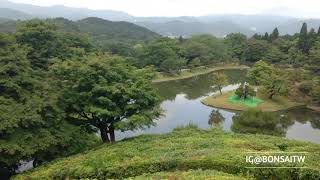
99	30
218	25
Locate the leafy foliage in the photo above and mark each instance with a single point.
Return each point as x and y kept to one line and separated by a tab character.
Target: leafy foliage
107	93
244	91
259	72
237	42
31	124
220	79
277	84
255	50
45	43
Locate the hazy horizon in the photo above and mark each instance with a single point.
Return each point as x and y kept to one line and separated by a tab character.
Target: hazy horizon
176	8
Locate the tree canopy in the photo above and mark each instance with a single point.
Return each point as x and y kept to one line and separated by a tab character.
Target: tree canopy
106	93
31	123
260	72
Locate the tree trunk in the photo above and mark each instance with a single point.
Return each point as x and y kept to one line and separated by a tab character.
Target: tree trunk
220	90
111	132
36	162
6	172
104	135
271	95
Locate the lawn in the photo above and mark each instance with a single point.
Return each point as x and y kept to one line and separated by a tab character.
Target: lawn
250	102
228	101
188	152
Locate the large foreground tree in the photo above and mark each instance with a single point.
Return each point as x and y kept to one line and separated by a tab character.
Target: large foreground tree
107	94
31	124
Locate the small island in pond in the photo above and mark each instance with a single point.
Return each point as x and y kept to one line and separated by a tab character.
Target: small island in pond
270	92
228	100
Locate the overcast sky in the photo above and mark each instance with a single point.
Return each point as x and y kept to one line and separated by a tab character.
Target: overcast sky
295	8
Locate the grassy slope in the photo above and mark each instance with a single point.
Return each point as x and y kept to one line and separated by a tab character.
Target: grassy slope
182	150
191	174
195	72
276	104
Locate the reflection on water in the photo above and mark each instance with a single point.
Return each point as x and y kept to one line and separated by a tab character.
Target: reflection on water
304	125
182	105
257	122
216	119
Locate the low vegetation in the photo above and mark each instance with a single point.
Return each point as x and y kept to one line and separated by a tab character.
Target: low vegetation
181	152
191	174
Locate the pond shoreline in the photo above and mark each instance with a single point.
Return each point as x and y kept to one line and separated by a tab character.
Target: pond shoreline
199	71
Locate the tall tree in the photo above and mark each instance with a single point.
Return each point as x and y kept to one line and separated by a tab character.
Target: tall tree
314	58
108	94
266	36
237	43
220	79
274	55
45	43
42	39
318	33
257	36
256	50
172	65
303	42
312	38
245	91
274	35
31	124
158	51
208	48
277	84
260	72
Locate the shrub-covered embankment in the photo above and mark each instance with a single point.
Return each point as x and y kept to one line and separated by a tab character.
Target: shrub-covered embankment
184	150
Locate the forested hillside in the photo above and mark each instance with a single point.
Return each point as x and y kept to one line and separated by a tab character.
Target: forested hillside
100	31
13	14
218	25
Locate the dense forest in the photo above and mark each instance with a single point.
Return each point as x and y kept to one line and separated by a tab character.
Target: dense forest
63	81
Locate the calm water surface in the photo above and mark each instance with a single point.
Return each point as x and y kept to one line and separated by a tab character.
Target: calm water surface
182	105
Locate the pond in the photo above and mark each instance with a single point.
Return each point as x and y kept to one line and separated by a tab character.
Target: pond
181	102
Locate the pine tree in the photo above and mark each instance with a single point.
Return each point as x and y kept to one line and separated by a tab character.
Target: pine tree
312	36
318	31
303	39
266	37
275	34
257	36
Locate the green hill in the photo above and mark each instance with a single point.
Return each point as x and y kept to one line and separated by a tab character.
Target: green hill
186	152
99	30
14	14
